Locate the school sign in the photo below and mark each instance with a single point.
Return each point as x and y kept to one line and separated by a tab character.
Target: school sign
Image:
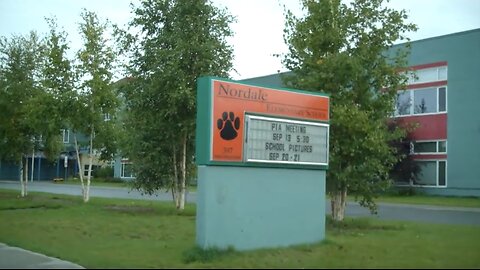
262	154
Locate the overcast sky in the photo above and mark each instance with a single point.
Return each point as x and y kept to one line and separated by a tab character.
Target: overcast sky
258	30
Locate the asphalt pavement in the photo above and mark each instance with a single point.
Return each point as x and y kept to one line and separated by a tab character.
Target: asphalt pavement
17	258
13	257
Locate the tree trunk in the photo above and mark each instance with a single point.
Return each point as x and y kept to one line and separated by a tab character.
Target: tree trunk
26	175
184	172
80	168
86	196
33	162
338	204
21	178
175	180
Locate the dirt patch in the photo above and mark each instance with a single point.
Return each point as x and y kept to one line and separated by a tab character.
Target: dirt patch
30	207
129	209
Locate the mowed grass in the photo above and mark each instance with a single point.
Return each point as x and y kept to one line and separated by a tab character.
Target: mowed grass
450	201
97	183
105	183
117	233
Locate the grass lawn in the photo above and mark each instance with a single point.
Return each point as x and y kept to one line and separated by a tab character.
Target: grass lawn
434	200
103	183
117	233
96	183
429	200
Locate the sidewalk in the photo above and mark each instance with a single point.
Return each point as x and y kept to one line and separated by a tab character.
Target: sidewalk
12	257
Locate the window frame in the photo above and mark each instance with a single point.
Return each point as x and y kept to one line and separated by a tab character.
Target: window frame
412	102
437	147
413	75
437	174
85	170
67	131
122	170
424	91
438	99
437	163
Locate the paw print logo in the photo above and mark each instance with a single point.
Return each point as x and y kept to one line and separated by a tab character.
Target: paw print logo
228	126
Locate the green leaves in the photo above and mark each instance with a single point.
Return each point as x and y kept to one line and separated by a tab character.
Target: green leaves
97	96
178	42
19	88
342	50
39	88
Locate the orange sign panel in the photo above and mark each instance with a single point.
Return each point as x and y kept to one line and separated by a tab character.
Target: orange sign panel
232	100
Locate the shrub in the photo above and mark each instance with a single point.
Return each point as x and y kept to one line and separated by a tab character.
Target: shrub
103	172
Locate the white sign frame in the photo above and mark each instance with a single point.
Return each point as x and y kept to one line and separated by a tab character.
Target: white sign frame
248	117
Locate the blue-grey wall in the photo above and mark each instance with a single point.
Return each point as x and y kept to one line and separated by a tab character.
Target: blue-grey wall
249	208
117	167
43	169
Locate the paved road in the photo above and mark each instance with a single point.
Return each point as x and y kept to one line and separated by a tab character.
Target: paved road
16	258
13	257
105	192
417	213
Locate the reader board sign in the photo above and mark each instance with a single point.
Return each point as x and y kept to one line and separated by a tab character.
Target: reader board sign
272	140
223	107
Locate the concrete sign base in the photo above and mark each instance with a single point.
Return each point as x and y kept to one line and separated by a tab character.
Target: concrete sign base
249	208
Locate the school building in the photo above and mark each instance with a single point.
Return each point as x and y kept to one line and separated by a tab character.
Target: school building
444	99
39	168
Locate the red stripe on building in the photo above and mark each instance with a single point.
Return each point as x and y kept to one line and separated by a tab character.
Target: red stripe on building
424	66
430	156
430	127
426	85
431	65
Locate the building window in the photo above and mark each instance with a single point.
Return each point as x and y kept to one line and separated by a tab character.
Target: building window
66	135
428	173
432	173
429	147
424	147
425	101
442	99
428	75
85	170
127	171
442	73
106	117
421	101
442	147
404	103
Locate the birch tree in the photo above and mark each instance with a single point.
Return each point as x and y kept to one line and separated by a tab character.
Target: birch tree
96	96
341	49
178	41
58	91
19	70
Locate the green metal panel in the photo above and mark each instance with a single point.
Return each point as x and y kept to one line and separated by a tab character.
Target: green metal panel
273	80
250	208
204	105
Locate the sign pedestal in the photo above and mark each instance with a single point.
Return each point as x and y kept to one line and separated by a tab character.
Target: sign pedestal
248	208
